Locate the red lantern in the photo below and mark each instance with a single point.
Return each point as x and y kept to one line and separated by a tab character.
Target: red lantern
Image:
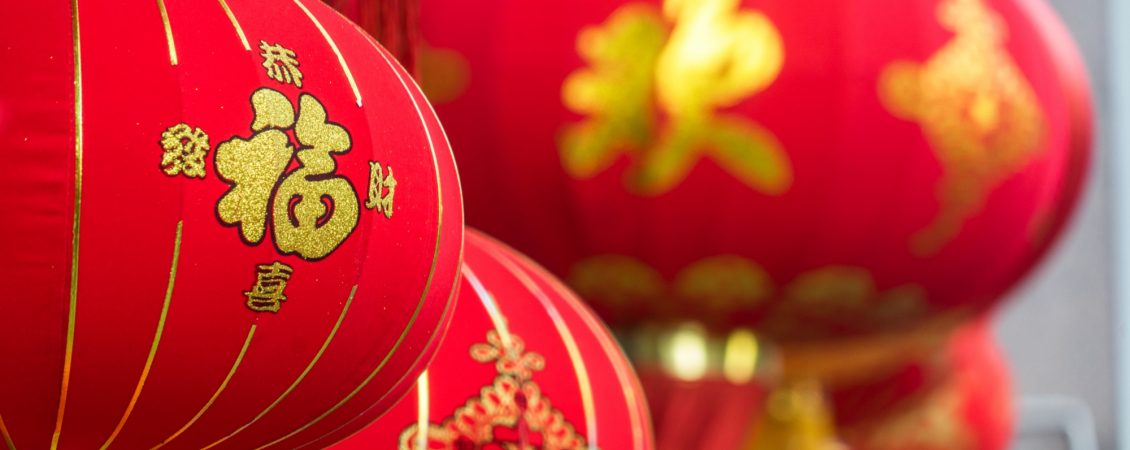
525	365
814	171
960	399
228	224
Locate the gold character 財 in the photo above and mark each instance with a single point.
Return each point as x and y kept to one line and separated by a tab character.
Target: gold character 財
269	290
312	210
382	189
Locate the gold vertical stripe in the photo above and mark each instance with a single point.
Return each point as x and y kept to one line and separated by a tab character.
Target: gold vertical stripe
431	271
68	354
333	46
423	407
7	436
156	338
216	395
624	373
582	373
168	32
235	23
302	376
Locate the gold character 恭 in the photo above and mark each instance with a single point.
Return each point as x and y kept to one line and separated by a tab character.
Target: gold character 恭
281	63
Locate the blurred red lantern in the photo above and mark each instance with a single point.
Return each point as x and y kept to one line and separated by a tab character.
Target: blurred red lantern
525	365
814	170
960	398
228	224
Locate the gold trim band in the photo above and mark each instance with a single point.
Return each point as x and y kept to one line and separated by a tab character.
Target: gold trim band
423	407
6	435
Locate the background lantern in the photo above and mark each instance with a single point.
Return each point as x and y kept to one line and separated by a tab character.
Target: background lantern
813	171
525	365
228	225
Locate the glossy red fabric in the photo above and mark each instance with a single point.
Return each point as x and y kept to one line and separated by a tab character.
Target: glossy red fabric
525	365
135	308
887	203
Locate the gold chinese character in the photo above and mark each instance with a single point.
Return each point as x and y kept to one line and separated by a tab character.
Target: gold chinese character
185	148
313	210
976	109
281	63
715	56
379	184
270	285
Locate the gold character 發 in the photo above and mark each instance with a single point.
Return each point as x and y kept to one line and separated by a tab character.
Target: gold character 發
269	290
185	148
312	209
713	55
382	189
977	110
281	63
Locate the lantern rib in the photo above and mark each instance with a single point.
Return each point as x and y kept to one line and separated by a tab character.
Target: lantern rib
624	373
235	24
579	368
431	272
6	435
220	390
156	338
301	376
168	32
333	46
68	354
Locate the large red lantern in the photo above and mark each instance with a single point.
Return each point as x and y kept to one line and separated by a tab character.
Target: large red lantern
228	224
525	365
815	170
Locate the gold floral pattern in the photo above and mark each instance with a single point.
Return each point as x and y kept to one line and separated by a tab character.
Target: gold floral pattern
512	401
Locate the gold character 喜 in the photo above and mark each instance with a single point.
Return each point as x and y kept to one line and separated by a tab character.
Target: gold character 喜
269	290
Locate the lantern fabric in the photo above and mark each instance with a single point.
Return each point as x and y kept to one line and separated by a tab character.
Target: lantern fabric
228	224
815	170
525	365
959	398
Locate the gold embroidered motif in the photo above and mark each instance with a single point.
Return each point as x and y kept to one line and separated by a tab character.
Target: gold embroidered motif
513	401
977	110
935	424
713	56
618	281
185	148
382	189
724	283
313	210
268	293
281	63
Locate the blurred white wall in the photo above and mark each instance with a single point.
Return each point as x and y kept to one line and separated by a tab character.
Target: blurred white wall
1057	330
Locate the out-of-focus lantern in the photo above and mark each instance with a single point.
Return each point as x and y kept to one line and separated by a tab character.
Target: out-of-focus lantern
813	170
228	224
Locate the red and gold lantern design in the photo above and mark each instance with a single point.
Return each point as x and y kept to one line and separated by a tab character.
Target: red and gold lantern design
813	171
525	365
229	224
